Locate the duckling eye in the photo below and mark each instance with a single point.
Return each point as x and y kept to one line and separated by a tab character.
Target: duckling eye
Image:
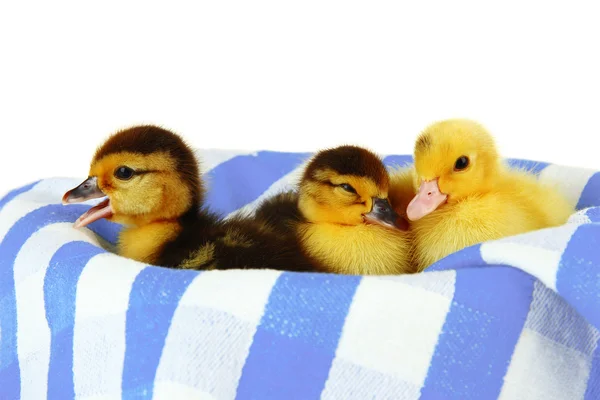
347	188
461	163
124	173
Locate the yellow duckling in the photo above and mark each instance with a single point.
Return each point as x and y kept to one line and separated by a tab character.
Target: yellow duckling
467	195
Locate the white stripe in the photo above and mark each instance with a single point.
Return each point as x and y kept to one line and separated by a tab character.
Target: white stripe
48	191
33	332
284	184
441	282
242	294
537	253
99	333
212	330
542	369
392	328
570	180
580	217
172	390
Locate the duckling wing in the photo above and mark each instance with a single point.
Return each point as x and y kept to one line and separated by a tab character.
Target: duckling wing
280	212
194	246
206	242
251	244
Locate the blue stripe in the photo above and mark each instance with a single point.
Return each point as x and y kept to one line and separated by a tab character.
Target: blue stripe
465	258
10	374
12	194
535	167
590	196
398	161
480	333
60	290
295	343
107	230
578	276
593	214
592	391
154	297
241	180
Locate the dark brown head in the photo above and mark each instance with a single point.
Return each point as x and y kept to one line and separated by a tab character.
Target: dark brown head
347	185
148	174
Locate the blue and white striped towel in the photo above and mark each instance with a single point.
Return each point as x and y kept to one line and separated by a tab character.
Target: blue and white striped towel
517	318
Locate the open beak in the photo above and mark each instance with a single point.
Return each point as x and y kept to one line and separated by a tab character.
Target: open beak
89	190
426	201
382	213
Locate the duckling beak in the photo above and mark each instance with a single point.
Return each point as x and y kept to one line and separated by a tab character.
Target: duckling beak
382	213
426	201
88	190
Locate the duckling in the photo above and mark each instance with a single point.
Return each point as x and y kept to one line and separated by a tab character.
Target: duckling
341	215
152	184
467	195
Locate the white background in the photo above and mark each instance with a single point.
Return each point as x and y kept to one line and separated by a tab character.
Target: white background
294	75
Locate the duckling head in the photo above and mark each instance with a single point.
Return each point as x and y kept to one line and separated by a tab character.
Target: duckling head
454	159
347	185
146	173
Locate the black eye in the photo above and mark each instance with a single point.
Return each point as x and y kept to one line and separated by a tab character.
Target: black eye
124	173
347	188
461	163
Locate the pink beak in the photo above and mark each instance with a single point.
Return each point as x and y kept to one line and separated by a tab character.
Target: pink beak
427	200
88	190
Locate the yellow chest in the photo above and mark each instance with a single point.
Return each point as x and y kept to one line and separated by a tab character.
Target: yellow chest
357	250
144	243
475	220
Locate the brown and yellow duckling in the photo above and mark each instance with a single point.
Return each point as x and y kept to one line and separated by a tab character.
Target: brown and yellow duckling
341	215
152	184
